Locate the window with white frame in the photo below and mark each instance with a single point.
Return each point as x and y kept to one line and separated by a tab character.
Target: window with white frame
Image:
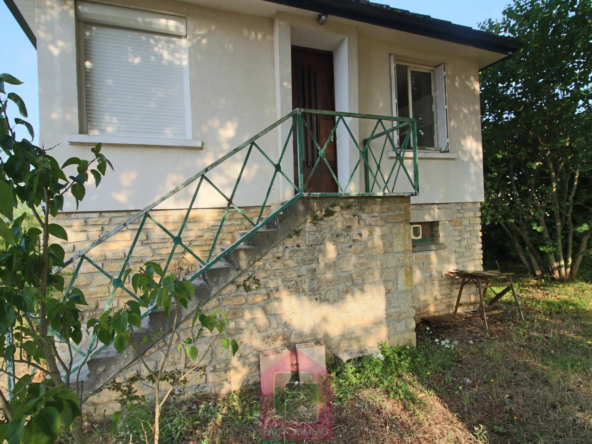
134	75
419	92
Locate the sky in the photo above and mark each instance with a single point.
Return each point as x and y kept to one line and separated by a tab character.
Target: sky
18	57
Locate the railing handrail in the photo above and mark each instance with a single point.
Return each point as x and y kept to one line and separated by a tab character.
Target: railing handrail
174	191
231	153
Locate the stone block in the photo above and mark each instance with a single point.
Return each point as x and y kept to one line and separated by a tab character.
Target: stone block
257	298
348	222
237	300
347	263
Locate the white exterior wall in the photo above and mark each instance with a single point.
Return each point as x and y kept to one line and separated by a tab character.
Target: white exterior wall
240	83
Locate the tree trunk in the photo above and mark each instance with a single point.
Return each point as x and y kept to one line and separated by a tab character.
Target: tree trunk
519	249
581	251
54	371
537	261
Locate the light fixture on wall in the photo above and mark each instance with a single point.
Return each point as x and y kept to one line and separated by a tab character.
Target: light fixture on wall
322	19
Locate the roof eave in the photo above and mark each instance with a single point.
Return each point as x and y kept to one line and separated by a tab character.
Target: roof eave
20	19
413	23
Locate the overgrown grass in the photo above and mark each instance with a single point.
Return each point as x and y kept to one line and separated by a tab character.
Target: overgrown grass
521	382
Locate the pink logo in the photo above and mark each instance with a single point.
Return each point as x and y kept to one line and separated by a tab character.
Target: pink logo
295	394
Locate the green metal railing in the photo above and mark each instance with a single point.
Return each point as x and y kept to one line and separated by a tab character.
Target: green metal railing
373	168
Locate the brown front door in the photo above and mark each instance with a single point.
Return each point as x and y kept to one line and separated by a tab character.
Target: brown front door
313	88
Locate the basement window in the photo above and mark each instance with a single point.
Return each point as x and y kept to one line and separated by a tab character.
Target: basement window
422	232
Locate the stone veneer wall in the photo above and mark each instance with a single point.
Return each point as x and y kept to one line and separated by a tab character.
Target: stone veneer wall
344	278
457	244
153	245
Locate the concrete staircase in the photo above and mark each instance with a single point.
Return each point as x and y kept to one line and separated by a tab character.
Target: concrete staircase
107	365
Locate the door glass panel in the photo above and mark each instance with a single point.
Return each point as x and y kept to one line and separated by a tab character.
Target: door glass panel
422	107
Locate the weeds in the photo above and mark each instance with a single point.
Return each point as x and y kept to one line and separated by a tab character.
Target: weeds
519	382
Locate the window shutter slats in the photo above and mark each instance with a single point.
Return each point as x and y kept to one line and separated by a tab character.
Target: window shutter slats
134	83
441	108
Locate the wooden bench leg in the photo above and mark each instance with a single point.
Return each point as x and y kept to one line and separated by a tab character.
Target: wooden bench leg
516	298
482	304
460	290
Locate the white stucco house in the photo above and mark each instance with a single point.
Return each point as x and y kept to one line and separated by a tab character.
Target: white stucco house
169	87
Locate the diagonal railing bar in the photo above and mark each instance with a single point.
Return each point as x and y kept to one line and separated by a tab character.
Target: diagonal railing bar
240	174
71	284
400	163
377	162
299	130
229	200
276	165
188	250
218	233
159	225
398	153
190	208
357	146
245	237
133	246
319	157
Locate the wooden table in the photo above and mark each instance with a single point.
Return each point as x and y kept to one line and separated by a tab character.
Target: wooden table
482	280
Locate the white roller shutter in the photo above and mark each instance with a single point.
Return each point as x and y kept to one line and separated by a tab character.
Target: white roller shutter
441	108
135	83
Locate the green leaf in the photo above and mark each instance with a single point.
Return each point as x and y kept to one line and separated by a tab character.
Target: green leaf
97	177
3	91
234	345
223	314
120	342
197	314
225	342
77	296
10	79
78	191
97	148
27	125
115	421
58	254
15	431
58	231
125	275
155	267
144	340
191	352
3	430
188	341
105	337
6	199
71	161
19	102
135	320
48	421
5	233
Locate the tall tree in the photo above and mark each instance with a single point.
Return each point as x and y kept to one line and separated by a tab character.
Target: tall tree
537	123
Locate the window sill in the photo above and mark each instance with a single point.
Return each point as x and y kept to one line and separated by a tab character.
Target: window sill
426	155
87	139
417	248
